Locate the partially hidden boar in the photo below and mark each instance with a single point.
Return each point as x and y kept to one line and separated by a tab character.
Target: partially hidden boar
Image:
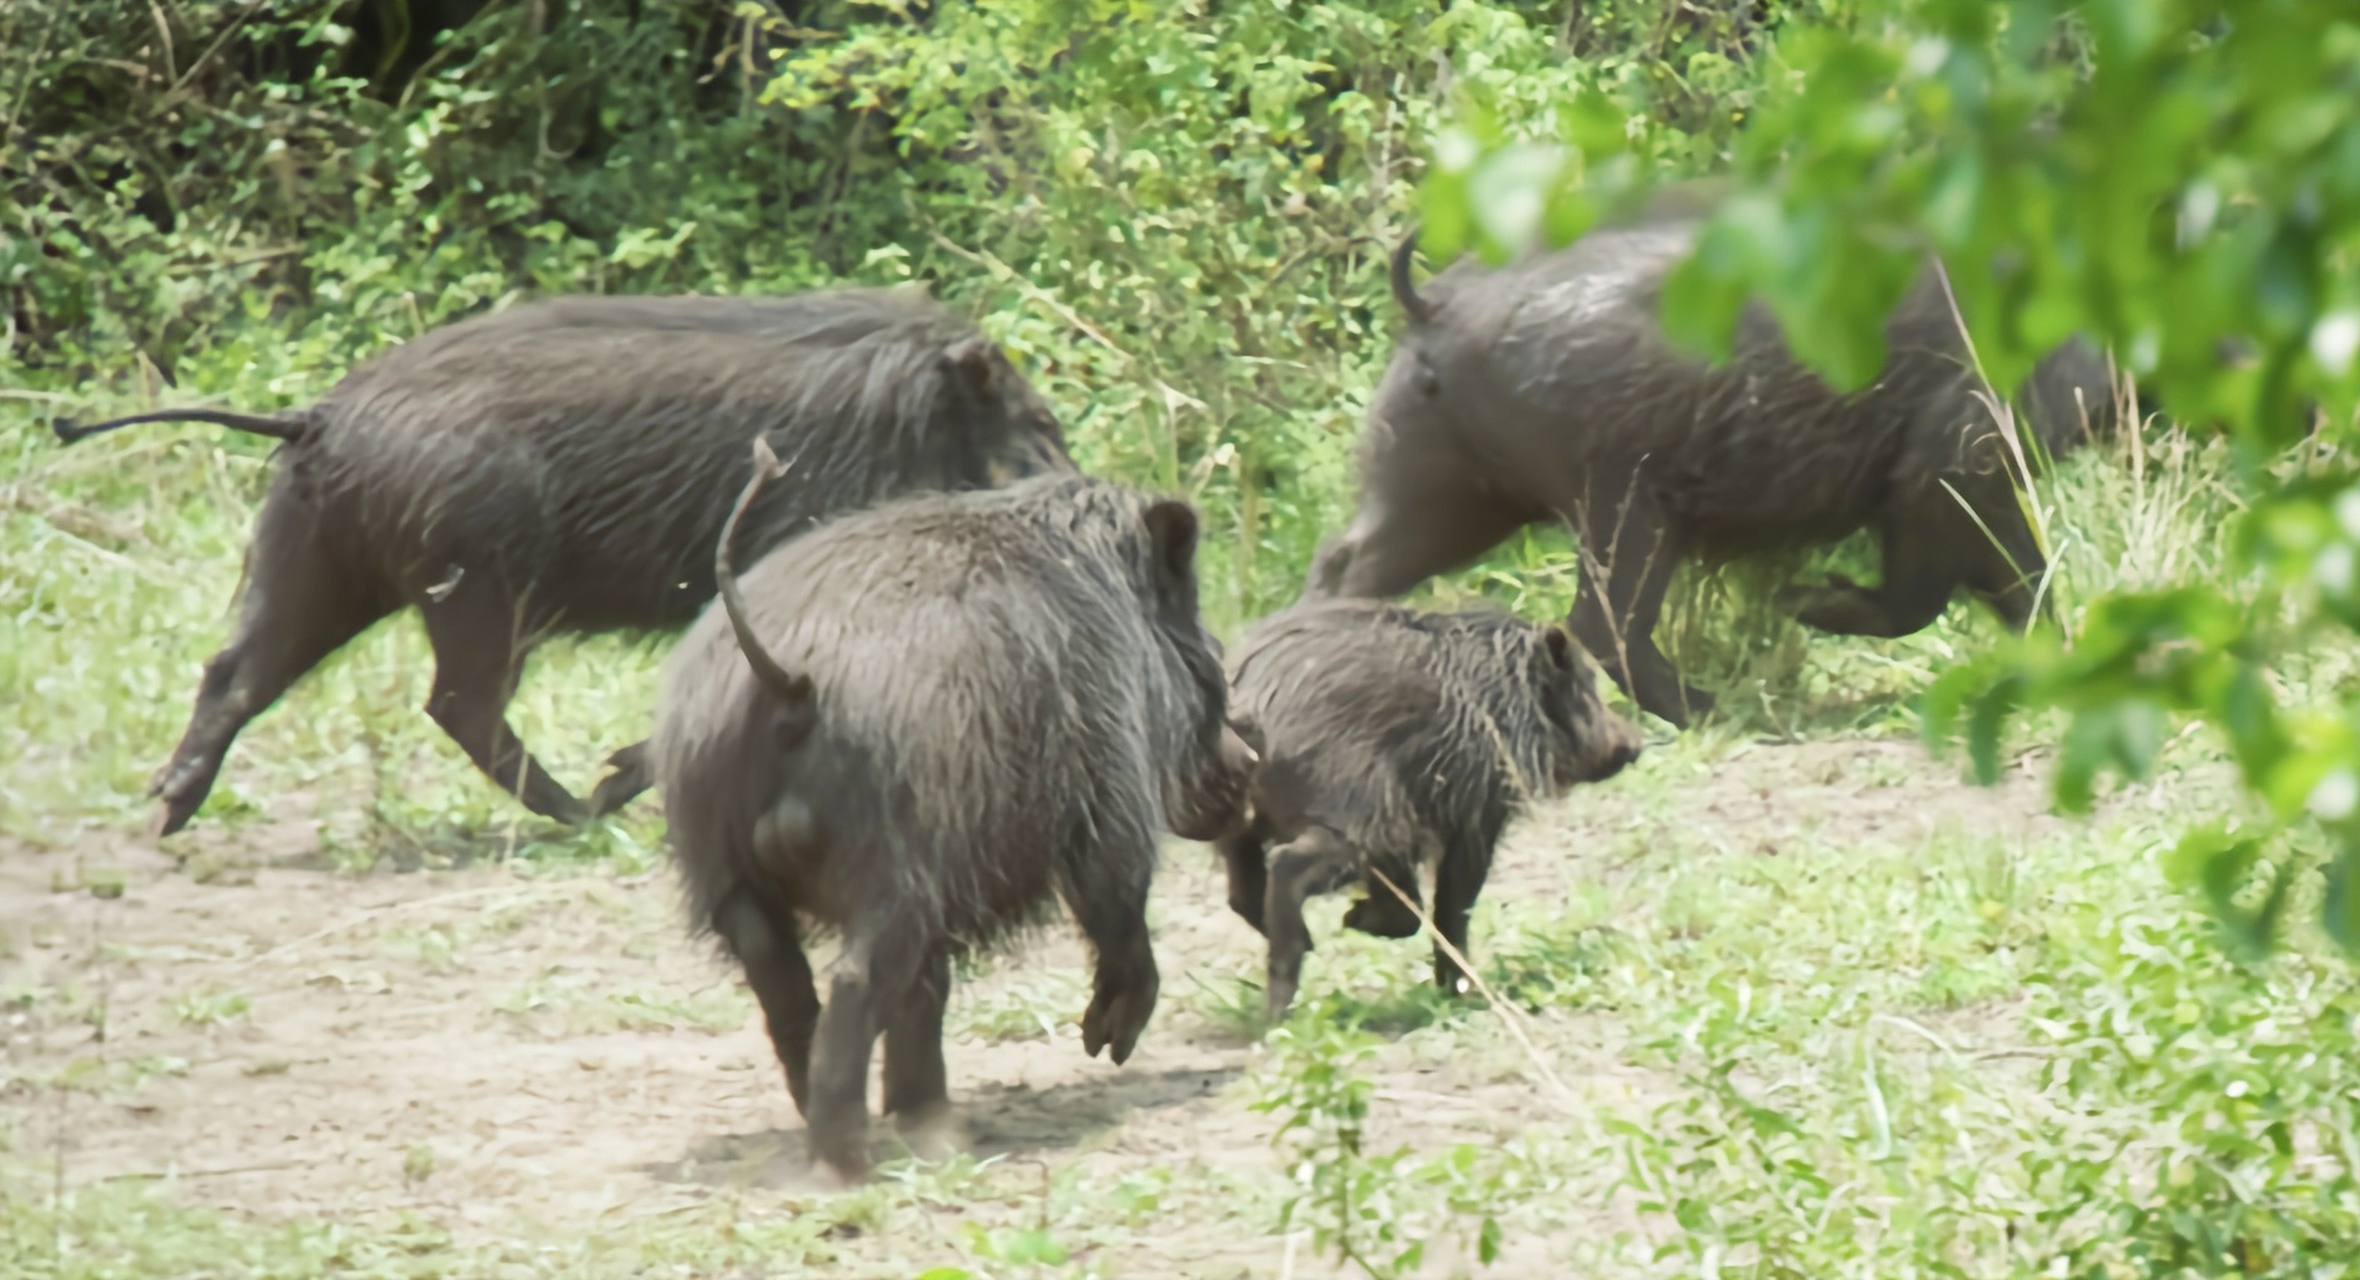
565	466
1546	391
1399	743
918	727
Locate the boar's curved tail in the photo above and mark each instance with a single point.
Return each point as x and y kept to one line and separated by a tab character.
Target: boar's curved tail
1405	292
289	429
794	689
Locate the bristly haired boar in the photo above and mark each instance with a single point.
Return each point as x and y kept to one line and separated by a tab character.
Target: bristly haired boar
564	466
1398	743
1546	391
919	726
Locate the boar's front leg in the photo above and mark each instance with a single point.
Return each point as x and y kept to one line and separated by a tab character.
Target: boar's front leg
479	650
1628	551
1424	509
1458	881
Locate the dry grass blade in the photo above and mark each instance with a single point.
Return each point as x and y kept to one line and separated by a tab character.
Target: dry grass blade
360	918
1508	1013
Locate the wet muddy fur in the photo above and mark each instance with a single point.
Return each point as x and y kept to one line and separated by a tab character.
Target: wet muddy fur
1546	391
565	467
1398	742
964	709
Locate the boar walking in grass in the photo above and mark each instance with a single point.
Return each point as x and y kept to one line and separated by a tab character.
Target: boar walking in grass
1398	742
919	726
565	467
1546	391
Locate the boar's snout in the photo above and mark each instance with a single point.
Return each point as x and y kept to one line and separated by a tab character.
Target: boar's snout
1326	579
1213	801
1617	746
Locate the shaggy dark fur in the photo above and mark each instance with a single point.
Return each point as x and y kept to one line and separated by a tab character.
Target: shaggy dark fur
565	466
1547	391
1399	742
953	709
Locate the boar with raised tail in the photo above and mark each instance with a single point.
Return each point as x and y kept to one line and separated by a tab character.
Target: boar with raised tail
919	726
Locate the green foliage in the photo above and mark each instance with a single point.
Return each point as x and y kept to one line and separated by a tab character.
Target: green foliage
1176	220
1345	1196
1177	217
1373	1211
2220	1107
2178	178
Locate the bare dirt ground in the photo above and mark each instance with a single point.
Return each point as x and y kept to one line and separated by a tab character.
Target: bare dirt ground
485	1050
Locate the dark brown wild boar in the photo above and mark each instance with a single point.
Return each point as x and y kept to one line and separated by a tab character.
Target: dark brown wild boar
1398	742
1546	391
919	726
565	466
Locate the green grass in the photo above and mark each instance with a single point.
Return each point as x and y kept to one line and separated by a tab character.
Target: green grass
1949	1051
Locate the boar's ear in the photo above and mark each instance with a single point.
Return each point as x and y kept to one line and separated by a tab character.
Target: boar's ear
977	363
1171	527
1559	646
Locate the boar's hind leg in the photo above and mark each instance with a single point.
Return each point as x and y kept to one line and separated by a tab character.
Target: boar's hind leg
1318	861
769	947
917	1085
297	609
1931	546
1104	881
479	651
874	970
1628	553
1379	914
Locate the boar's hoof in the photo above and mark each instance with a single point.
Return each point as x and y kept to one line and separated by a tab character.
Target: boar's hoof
1799	597
1118	1013
1381	915
932	1133
628	774
176	803
840	1149
1278	1000
168	818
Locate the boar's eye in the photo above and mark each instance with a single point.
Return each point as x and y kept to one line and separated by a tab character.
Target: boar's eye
1425	380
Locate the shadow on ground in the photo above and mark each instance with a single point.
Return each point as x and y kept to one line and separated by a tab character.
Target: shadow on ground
997	1120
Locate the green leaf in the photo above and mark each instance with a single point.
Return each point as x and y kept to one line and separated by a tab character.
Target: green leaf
1700	309
2343	894
1990	714
1444	227
1596	123
1509	193
1032	1245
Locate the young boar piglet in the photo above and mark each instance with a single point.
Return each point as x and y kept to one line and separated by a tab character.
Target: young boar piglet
1399	742
919	726
564	466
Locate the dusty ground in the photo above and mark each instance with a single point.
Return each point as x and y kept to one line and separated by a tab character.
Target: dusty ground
486	1049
